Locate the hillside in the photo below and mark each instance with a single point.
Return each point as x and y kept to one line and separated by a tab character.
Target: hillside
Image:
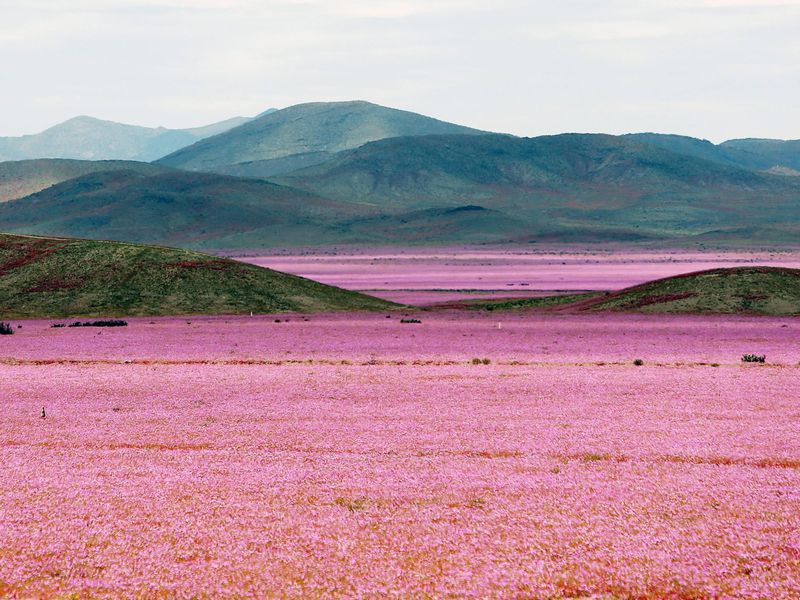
579	186
191	210
775	153
22	178
723	154
87	138
780	157
745	290
306	130
48	277
433	189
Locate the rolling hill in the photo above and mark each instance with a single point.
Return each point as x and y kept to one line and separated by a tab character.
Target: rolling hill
574	185
24	177
49	277
744	290
736	290
87	138
302	135
192	210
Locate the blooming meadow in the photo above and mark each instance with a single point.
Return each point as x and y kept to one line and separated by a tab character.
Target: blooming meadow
351	456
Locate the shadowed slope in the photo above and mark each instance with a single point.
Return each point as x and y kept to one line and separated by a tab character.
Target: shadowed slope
49	277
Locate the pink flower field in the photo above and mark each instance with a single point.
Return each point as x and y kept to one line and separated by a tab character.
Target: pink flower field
503	271
354	456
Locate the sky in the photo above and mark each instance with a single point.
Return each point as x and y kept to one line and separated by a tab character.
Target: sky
715	69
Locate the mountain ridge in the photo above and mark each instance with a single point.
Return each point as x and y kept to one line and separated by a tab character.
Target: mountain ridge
89	138
303	129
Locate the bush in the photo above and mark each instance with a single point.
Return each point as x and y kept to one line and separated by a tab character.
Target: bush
6	329
57	325
481	361
410	321
638	362
101	323
754	358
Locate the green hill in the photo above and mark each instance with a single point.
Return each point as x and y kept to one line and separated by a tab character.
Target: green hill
310	132
51	277
740	290
24	177
190	210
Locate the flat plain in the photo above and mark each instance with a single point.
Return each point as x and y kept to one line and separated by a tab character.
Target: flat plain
352	455
422	276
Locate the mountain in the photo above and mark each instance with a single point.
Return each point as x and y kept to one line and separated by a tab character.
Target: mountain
433	189
50	277
744	290
178	208
88	138
308	133
205	210
775	153
25	177
571	186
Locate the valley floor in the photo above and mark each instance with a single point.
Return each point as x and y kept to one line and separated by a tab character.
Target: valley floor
423	276
357	456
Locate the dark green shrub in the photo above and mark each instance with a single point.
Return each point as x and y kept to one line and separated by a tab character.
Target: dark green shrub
101	323
754	358
638	362
6	329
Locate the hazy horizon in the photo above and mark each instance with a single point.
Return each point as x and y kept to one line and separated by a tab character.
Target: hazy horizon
712	69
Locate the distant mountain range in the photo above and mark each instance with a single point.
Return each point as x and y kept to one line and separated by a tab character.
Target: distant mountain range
88	138
355	172
564	185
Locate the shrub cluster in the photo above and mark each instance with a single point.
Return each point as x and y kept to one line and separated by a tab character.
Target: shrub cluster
481	361
6	329
754	358
102	323
410	321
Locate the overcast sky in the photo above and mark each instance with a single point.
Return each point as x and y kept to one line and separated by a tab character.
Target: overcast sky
716	69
